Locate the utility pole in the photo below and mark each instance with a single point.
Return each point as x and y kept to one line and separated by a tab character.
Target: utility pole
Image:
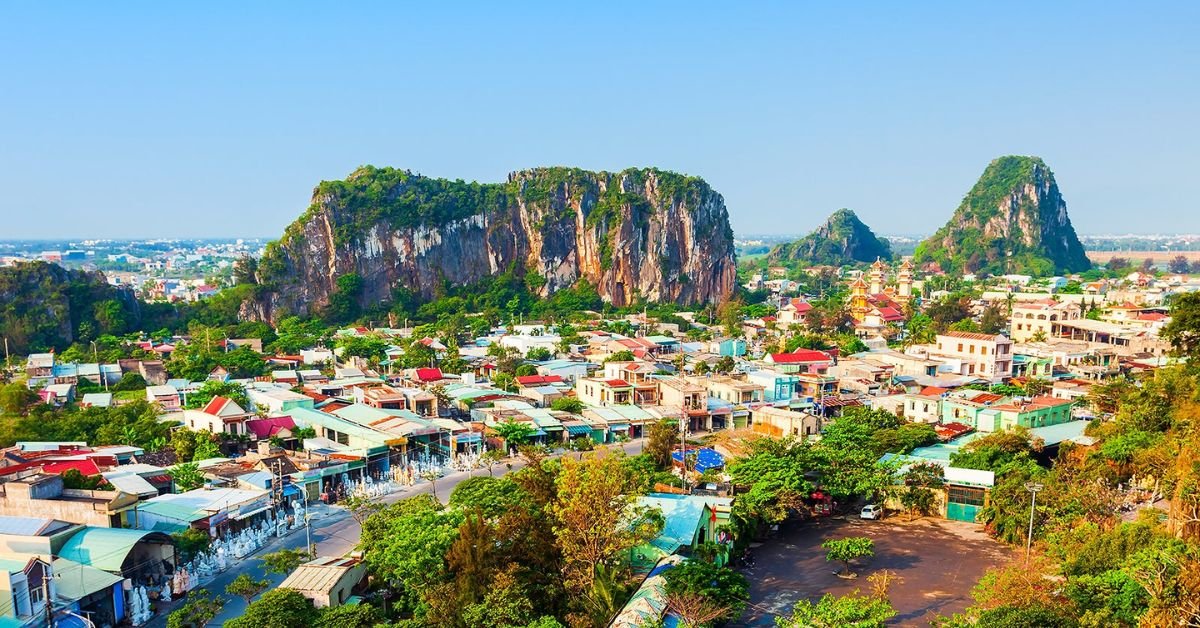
1033	488
46	599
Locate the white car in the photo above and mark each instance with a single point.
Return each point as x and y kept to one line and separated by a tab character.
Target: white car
871	511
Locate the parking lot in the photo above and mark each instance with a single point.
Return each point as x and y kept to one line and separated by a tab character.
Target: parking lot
937	563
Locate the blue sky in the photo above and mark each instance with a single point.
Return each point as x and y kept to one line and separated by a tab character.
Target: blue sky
217	119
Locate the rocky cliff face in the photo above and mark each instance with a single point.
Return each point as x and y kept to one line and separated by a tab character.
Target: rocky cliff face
1014	220
635	234
841	239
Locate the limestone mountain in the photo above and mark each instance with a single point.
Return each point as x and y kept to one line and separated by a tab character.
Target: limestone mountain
635	234
1014	220
44	307
842	239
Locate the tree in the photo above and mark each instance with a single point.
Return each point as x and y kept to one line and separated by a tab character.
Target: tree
343	306
199	609
538	354
701	593
1179	265
994	320
624	355
1183	330
349	616
663	439
206	447
246	587
491	496
130	381
406	544
191	542
361	507
214	388
1117	263
725	364
16	397
853	610
278	608
730	313
514	433
284	561
186	476
574	405
848	549
594	517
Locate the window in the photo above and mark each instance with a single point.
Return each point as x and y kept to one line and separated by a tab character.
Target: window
983	350
971	349
966	495
960	347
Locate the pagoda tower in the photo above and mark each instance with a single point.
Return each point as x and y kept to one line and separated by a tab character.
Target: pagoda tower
859	304
878	276
904	283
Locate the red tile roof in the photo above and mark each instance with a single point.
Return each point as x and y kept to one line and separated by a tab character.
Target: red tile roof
800	356
85	467
429	374
617	383
890	314
266	428
214	406
933	391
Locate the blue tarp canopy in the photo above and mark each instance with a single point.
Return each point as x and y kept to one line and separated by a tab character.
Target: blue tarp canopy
578	430
705	459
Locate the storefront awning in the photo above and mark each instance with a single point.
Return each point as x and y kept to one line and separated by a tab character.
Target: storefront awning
578	430
246	515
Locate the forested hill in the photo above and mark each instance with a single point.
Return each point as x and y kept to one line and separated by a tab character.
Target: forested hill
1014	220
842	239
45	306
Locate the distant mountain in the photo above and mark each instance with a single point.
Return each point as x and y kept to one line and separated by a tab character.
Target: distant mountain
842	239
1014	220
632	235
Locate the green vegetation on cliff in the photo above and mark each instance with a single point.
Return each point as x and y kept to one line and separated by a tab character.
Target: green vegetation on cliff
402	199
843	239
1013	220
44	306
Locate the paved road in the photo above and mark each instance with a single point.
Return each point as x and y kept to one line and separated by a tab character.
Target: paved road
336	533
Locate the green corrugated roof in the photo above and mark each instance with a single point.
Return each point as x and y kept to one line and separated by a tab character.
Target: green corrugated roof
102	548
74	580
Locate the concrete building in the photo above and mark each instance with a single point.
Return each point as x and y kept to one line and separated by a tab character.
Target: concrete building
327	581
986	356
1032	319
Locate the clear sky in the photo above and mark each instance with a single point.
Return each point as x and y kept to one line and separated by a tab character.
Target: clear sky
217	119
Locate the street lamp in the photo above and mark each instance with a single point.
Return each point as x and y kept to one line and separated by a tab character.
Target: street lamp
1033	488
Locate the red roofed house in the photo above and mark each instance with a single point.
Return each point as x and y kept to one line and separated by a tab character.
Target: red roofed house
793	312
801	361
228	414
427	375
263	429
86	468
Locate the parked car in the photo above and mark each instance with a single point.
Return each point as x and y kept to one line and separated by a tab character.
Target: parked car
871	511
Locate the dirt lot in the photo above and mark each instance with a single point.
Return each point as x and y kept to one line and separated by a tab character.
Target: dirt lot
938	562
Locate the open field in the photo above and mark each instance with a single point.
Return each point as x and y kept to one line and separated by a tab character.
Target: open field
1162	257
937	563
